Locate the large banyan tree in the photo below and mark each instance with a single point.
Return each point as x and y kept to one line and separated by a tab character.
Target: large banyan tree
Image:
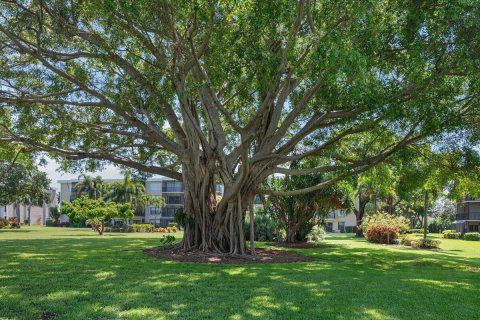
232	92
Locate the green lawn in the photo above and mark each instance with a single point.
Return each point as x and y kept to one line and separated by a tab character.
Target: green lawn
53	273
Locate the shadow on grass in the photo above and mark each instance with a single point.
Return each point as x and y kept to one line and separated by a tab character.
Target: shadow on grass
110	277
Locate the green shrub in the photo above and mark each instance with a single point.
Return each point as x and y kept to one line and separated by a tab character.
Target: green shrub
451	234
425	243
350	229
266	228
317	234
50	223
167	239
407	240
384	228
471	236
122	228
143	227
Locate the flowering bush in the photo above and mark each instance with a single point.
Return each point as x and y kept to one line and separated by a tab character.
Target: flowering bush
9	223
166	230
384	228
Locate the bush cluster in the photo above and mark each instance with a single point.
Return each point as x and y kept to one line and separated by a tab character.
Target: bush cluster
384	228
9	223
166	230
350	229
451	234
122	228
407	240
143	227
140	227
425	243
471	236
266	228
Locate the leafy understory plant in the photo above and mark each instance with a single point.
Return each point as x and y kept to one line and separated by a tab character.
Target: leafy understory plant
167	239
317	234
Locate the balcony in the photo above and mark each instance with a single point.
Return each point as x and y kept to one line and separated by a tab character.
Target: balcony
471	199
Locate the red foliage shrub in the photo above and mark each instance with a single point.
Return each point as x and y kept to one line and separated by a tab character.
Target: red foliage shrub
382	233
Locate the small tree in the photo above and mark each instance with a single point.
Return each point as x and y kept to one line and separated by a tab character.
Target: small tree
96	212
54	214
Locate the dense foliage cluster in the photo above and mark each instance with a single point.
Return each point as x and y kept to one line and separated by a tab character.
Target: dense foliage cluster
384	228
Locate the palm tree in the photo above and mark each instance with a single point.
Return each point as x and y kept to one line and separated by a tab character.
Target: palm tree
128	191
94	188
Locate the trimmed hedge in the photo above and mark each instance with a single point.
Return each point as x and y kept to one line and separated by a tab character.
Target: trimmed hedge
451	234
471	236
349	229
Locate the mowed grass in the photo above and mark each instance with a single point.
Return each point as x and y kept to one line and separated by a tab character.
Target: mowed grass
53	273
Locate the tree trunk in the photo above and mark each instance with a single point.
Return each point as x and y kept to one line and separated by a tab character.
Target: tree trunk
211	228
29	213
425	217
252	230
362	203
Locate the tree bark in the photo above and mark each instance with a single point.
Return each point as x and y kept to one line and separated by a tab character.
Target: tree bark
211	228
359	213
252	230
425	216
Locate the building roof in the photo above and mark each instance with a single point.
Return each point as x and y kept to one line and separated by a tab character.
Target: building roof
463	221
152	179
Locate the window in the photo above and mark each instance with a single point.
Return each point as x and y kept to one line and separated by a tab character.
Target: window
329	227
174	199
473	228
341	226
169	212
155	211
155	222
172	186
155	186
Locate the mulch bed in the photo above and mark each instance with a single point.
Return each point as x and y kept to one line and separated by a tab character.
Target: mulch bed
262	256
297	245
